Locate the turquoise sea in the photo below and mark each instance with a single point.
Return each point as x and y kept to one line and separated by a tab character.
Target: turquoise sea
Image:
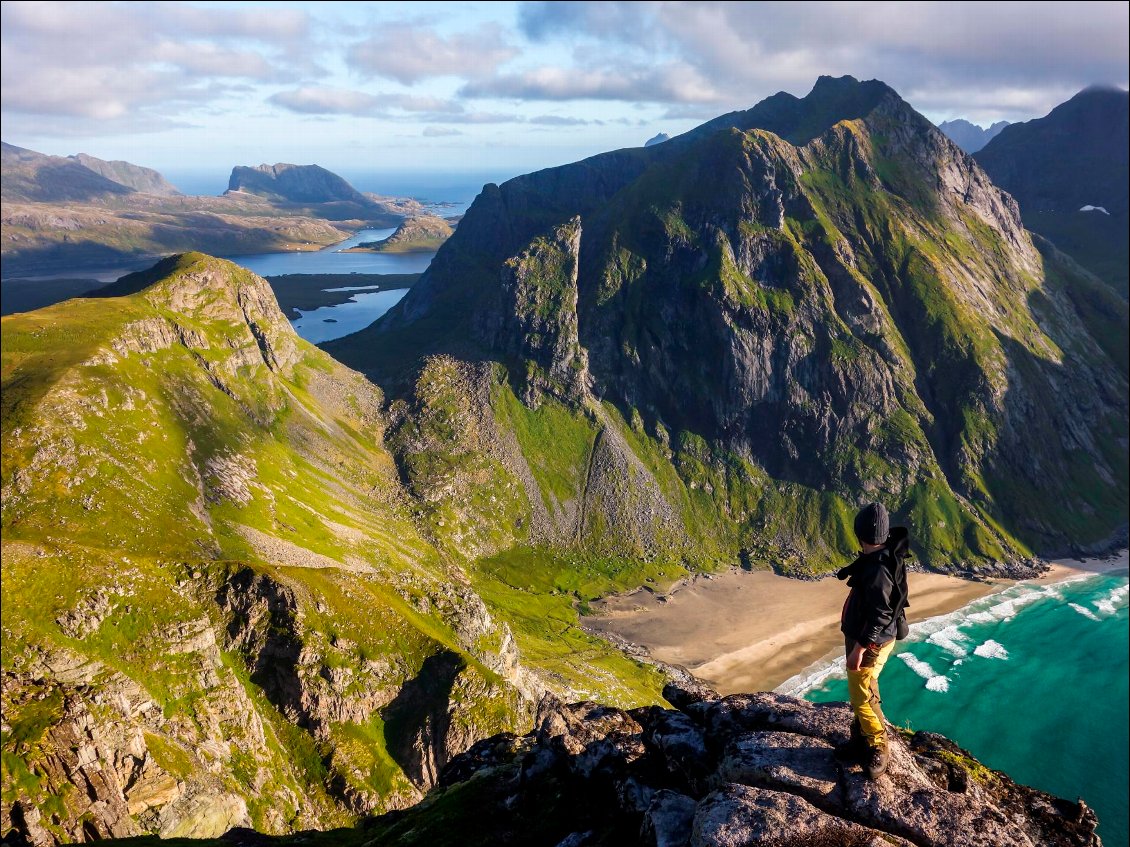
1032	681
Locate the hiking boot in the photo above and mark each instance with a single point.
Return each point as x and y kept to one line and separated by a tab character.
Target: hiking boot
877	760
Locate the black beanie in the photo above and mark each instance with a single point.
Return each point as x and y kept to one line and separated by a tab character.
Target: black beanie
872	524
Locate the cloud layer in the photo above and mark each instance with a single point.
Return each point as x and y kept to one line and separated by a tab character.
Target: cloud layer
109	67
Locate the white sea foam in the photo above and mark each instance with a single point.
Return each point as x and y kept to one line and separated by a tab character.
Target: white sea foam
1008	609
1084	611
812	677
951	639
991	650
993	608
1109	604
934	681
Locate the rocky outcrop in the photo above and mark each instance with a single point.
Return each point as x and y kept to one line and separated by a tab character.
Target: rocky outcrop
537	320
418	234
294	183
750	769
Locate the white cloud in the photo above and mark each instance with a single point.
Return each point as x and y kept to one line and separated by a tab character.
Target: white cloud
668	83
111	64
409	54
1011	56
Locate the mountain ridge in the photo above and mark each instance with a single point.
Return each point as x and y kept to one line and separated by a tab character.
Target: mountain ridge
970	137
1073	157
876	239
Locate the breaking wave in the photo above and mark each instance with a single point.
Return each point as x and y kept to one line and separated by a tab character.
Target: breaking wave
991	650
1084	611
934	681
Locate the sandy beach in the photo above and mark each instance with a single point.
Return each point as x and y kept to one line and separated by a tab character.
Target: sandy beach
751	631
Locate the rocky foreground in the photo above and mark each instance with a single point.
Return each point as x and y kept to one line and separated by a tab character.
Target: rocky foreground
748	769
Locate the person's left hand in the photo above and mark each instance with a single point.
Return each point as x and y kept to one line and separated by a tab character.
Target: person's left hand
855	657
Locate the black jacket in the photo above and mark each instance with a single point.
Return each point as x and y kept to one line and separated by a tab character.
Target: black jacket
878	597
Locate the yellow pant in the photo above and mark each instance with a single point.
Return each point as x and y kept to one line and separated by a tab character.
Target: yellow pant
863	690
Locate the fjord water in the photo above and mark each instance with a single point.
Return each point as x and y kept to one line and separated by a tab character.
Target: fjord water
1032	681
333	259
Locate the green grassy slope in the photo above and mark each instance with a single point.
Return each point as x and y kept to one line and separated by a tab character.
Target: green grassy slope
199	512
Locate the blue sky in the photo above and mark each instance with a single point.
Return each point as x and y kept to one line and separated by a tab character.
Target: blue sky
503	87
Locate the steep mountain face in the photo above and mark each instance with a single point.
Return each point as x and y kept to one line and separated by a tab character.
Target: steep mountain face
1074	157
145	180
969	136
779	315
218	608
30	176
294	183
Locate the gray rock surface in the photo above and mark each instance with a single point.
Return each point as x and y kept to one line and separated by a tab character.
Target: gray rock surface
757	771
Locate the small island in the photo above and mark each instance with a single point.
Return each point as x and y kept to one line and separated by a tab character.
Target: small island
420	234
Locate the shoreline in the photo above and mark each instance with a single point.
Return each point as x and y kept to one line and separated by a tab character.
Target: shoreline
742	631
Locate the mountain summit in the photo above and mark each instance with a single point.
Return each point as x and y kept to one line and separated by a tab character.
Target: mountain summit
781	314
294	183
1073	158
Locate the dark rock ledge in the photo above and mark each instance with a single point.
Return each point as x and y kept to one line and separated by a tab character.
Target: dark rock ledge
755	769
748	770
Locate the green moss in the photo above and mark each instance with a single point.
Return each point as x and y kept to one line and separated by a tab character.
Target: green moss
555	440
167	753
18	778
968	764
364	747
537	593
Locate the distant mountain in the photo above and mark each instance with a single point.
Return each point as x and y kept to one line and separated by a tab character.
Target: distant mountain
145	180
64	214
754	327
1075	156
969	136
30	176
294	183
657	139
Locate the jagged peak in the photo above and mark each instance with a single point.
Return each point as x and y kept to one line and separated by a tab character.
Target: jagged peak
799	120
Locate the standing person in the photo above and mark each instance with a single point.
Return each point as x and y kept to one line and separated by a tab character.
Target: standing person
873	617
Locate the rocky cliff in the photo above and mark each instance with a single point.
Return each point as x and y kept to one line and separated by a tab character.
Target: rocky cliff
756	770
294	183
782	314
